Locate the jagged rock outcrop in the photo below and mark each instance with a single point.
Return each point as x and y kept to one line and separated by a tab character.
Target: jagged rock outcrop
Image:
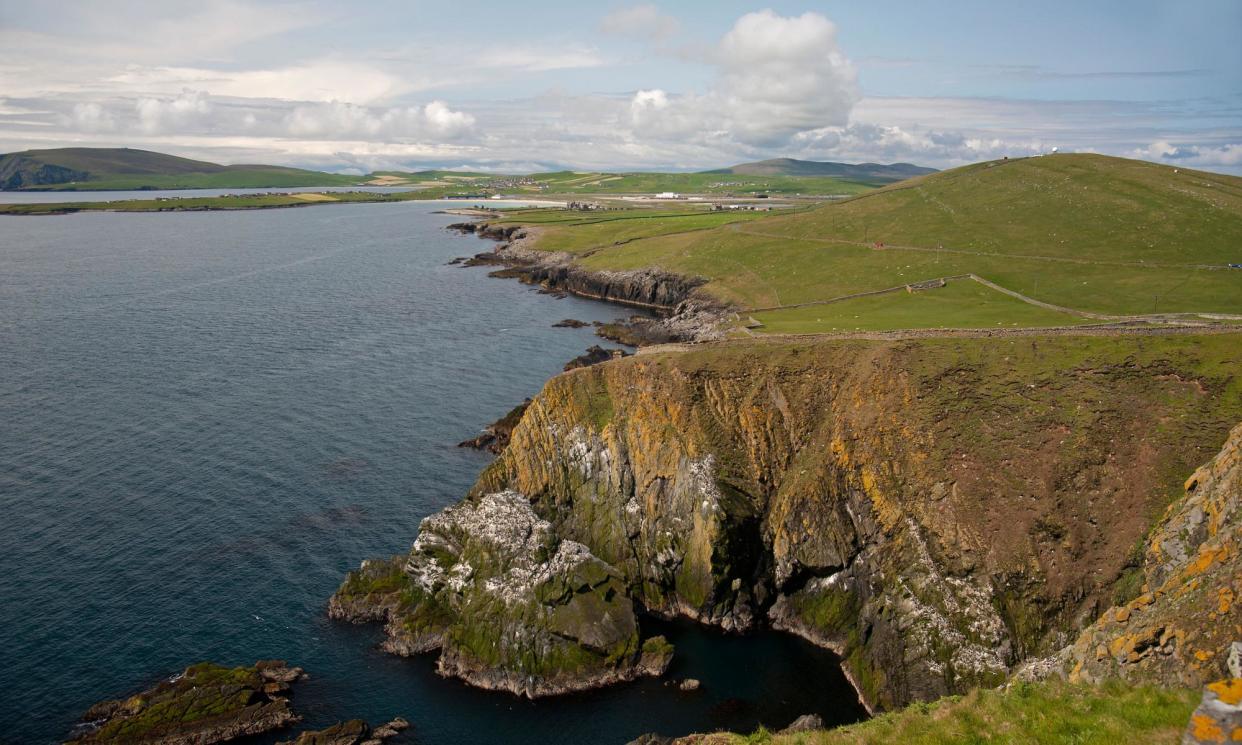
594	356
935	512
352	732
205	704
495	437
692	315
509	604
1180	628
17	172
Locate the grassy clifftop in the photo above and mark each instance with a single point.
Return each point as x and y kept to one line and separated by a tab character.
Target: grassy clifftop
1025	714
1087	235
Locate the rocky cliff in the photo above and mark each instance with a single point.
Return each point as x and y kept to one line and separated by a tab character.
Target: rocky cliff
690	315
508	603
936	511
1180	627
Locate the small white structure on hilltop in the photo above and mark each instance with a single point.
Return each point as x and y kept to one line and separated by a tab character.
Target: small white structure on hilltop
668	195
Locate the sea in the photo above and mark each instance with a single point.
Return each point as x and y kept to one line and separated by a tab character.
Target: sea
208	418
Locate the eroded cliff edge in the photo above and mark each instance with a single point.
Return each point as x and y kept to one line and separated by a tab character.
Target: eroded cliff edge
936	511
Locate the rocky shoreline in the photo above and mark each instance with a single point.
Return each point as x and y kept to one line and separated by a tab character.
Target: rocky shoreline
839	491
688	315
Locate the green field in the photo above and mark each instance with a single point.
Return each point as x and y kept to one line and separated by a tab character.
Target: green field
1095	234
960	304
1050	713
573	183
585	232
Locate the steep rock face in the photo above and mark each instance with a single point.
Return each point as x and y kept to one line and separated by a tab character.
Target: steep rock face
1180	627
935	511
19	173
509	604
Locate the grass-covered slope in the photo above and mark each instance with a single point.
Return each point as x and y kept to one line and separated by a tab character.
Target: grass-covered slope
1049	713
1099	235
82	168
877	173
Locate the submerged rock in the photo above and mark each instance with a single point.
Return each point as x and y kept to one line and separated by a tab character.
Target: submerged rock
509	605
205	704
570	323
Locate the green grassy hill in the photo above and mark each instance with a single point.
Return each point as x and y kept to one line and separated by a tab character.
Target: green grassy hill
877	173
83	168
1088	235
1049	713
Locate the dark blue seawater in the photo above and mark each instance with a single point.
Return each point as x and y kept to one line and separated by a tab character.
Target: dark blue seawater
43	197
206	419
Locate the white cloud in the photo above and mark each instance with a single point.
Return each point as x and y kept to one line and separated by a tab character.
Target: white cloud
1229	154
338	120
777	77
444	121
321	80
91	117
156	115
645	21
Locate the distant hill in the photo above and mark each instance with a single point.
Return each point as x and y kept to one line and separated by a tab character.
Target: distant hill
865	172
88	168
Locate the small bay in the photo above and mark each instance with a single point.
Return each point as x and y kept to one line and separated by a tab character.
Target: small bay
207	418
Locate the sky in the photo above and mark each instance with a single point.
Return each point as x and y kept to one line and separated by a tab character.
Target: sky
696	84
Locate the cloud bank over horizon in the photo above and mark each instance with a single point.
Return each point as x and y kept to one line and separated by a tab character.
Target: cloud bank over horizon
629	87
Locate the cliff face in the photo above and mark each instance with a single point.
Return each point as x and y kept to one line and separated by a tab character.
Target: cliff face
508	603
1180	627
935	511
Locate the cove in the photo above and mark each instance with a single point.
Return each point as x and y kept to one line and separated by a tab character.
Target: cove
207	418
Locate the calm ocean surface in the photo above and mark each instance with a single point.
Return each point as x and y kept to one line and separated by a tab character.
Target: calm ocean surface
206	419
44	197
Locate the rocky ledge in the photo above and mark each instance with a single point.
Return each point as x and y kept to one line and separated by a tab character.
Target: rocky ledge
353	732
691	315
205	704
508	604
495	437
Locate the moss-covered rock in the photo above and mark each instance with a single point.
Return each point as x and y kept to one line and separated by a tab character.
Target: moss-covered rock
509	604
205	704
